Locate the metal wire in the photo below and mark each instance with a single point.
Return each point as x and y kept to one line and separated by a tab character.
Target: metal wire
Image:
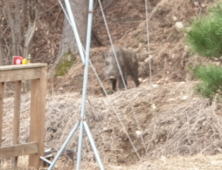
121	74
93	68
148	48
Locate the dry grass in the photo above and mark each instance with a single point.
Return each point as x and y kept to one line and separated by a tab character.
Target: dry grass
172	121
200	162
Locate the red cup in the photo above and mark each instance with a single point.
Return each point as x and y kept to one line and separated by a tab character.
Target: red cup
17	60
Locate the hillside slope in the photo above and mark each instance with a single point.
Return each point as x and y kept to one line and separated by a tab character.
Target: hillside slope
127	26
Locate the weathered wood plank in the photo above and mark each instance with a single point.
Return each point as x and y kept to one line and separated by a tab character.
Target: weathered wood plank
21	67
18	150
16	119
17	75
1	109
37	117
21	72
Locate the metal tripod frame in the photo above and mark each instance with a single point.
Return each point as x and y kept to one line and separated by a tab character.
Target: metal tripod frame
82	124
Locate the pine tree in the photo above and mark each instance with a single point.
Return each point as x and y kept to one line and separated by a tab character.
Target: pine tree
211	80
205	39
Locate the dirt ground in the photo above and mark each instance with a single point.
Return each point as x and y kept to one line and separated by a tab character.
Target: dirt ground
161	124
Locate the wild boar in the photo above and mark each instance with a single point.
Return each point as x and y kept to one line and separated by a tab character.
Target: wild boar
129	65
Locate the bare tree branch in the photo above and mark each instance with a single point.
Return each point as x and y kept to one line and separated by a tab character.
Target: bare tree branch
11	25
31	28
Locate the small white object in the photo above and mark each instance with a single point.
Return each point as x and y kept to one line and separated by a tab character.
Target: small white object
179	26
184	98
174	18
155	85
153	106
138	133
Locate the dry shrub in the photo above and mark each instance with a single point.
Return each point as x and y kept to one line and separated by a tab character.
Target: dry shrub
172	121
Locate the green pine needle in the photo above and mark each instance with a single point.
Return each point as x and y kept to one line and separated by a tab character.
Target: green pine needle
205	36
211	80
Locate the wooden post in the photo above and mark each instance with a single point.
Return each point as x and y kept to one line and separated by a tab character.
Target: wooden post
1	109
16	119
37	116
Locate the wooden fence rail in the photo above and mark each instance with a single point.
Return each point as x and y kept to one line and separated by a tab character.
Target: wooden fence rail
37	73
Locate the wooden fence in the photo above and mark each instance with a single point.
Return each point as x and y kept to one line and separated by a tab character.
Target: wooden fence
37	73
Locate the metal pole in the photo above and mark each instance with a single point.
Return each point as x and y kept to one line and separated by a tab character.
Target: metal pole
79	152
46	160
74	28
85	82
86	127
63	146
81	123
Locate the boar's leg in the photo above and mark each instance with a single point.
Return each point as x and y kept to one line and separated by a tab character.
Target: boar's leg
113	81
121	85
134	76
136	81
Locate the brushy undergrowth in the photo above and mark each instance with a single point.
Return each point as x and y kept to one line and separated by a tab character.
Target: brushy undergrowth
65	63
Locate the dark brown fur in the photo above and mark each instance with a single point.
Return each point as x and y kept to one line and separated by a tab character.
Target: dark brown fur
128	63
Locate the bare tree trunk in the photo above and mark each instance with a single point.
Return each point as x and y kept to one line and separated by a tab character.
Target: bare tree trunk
1	53
31	28
17	27
80	12
29	36
11	25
